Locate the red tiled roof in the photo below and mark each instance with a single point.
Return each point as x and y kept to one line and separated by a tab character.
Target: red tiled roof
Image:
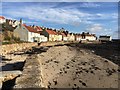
31	29
38	28
51	32
1	17
63	34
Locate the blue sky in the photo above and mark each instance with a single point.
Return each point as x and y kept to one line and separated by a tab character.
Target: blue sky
100	18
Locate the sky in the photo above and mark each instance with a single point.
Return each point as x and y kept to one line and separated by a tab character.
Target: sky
100	18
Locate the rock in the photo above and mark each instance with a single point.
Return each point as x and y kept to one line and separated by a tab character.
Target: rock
9	75
55	82
1	81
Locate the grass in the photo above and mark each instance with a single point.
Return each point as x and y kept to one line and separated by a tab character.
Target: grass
4	43
9	42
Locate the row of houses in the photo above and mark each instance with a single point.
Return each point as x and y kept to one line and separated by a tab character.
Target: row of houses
42	34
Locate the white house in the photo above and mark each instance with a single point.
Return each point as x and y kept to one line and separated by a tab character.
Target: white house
91	37
50	34
88	36
59	36
71	37
2	20
105	38
28	33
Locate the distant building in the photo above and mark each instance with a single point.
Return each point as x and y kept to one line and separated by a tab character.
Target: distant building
105	38
2	20
15	23
88	36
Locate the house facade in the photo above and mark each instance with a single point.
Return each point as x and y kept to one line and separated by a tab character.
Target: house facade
59	36
105	38
71	37
64	36
50	34
91	37
88	36
28	33
78	37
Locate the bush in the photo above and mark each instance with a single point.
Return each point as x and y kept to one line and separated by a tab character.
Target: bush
4	43
7	38
16	39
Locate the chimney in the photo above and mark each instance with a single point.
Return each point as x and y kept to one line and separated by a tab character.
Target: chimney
20	22
87	32
33	26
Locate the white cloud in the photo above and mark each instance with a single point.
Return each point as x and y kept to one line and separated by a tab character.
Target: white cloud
60	0
90	5
116	34
51	15
103	16
95	28
98	29
29	22
58	15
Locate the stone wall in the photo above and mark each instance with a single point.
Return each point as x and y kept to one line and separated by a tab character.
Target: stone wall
52	43
15	47
20	46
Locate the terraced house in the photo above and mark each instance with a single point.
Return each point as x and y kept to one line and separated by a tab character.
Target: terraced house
50	34
71	37
59	36
39	34
64	36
